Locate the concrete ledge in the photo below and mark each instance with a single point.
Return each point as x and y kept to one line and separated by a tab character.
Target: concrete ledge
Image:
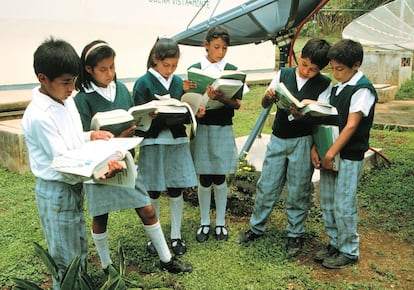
386	92
14	156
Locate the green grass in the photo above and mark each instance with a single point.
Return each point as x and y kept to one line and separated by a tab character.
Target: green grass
385	199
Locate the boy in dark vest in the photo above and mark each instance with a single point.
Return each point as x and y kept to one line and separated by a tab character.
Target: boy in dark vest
287	157
354	97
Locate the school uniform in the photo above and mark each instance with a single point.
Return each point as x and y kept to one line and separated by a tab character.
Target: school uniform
164	157
287	159
338	190
214	148
51	129
103	198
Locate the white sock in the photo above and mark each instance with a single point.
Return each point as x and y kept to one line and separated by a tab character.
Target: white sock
156	235
156	204
176	212
204	202
220	197
102	247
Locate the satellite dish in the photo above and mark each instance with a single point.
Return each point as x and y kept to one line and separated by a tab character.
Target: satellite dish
390	26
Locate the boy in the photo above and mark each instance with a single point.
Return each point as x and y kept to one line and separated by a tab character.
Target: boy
354	97
51	126
288	152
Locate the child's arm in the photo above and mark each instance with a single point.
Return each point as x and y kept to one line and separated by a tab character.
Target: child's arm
343	138
316	161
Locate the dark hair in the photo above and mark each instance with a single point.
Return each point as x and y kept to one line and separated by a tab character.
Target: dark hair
162	49
92	54
55	57
316	50
218	31
347	52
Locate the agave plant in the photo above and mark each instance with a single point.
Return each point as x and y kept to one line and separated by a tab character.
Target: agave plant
74	277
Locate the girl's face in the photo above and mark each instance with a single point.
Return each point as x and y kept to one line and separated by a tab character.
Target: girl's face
306	69
216	49
166	67
341	72
104	72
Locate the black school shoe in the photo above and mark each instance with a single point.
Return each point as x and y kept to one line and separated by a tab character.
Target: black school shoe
248	236
294	246
175	266
178	247
151	249
339	261
202	235
325	253
221	233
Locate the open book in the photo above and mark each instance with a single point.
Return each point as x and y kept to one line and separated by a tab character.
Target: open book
119	120
307	107
324	136
204	79
228	87
91	161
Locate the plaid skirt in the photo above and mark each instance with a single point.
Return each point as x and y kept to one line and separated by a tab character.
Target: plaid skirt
214	150
167	166
103	198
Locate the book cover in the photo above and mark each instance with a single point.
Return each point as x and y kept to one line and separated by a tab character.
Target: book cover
324	136
204	79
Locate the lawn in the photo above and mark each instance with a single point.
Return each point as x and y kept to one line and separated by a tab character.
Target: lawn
386	205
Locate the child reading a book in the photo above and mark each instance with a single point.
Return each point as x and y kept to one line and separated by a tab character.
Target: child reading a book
52	127
354	97
164	156
287	156
100	92
213	148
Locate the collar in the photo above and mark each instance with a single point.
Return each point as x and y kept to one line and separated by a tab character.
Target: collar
44	101
212	66
353	81
165	82
108	93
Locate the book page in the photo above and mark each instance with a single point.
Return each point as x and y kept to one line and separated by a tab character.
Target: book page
285	98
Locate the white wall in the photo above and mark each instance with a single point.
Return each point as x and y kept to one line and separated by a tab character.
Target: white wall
129	26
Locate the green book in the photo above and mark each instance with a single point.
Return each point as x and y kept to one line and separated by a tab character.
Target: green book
204	79
324	136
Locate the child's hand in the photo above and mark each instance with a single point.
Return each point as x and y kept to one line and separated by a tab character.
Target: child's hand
316	162
129	132
101	135
153	114
270	95
201	112
296	113
187	85
214	94
327	162
114	166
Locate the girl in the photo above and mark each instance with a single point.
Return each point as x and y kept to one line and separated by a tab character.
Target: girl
165	157
213	148
99	92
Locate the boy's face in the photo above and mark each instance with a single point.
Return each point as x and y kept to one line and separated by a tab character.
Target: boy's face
166	67
216	49
341	72
306	69
59	89
103	73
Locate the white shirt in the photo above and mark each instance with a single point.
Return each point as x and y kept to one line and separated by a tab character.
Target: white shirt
362	100
108	93
165	82
51	129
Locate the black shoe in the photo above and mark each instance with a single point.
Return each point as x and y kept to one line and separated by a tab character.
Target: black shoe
151	249
221	233
178	246
338	261
110	270
175	266
325	253
248	236
202	235
294	246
